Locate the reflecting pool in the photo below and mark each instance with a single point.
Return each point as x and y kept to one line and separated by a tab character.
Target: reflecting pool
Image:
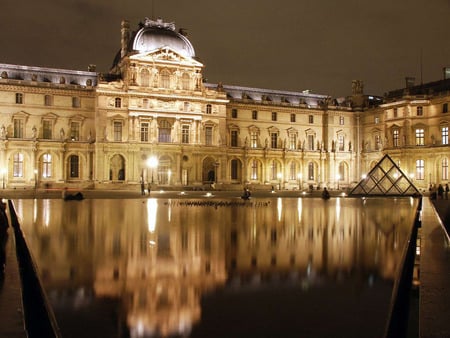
273	267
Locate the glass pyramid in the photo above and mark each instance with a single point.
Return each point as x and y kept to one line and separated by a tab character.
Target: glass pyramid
385	179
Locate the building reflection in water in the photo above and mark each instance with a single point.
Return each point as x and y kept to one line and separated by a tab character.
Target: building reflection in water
155	259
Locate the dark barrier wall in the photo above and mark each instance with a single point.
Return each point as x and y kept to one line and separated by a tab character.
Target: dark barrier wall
39	318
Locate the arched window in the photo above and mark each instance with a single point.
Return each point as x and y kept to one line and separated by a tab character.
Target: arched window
254	170
165	129
208	109
145	78
74	166
274	170
18	165
46	165
293	171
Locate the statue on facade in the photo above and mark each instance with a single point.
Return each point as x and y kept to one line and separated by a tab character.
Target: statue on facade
33	132
62	134
3	132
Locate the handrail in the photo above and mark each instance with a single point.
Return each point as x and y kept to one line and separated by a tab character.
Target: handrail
39	318
397	325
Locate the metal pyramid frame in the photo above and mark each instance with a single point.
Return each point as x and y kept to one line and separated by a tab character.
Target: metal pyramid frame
385	179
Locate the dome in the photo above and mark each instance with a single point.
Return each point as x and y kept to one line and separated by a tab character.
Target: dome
158	34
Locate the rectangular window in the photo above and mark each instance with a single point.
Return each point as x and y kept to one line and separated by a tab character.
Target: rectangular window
420	137
395	112
18	128
419	111
234	113
46	165
234	138
376	120
254	139
117	131
395	138
208	136
445	108
274	172
420	169
19	98
254	173
445	169
341	120
310	171
76	102
48	100
292	141
311	119
273	140
75	131
117	102
74	166
144	131
234	169
292	117
47	129
444	135
341	142
18	165
310	142
293	171
208	109
254	115
274	116
377	142
185	134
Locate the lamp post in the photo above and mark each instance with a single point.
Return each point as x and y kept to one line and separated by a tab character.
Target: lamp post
300	183
152	163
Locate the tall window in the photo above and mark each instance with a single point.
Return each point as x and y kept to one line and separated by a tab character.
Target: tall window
395	112
186	106
165	79
208	109
234	169
445	168
208	136
185	81
274	170
341	120
254	168
165	129
292	117
341	142
117	131
420	169
273	140
292	141
377	142
117	102
47	127
293	171
419	110
445	108
234	138
48	100
185	133
274	116
311	119
254	139
74	166
144	131
19	98
254	115
18	128
234	113
376	120
420	137
395	138
310	171
145	78
46	165
75	131
444	131
310	142
18	165
76	102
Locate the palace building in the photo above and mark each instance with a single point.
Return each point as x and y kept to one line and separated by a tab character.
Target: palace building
152	118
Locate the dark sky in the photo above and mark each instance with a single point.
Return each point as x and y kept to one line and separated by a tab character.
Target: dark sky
321	45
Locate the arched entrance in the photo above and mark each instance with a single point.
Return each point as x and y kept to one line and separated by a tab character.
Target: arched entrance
117	168
209	170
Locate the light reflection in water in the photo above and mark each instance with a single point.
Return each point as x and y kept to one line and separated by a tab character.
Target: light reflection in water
198	252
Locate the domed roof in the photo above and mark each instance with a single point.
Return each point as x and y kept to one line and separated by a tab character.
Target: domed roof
158	34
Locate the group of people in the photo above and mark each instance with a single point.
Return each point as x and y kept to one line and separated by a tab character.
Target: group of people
439	192
149	188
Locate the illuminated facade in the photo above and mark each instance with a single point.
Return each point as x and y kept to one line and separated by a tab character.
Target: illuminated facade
96	130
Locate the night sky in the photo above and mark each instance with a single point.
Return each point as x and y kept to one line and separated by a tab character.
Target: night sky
320	45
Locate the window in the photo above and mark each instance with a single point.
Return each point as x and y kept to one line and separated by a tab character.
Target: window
395	138
254	168
419	110
273	140
48	100
234	113
186	106
420	169
145	78
75	131
185	133
341	120
208	109
341	142
165	129
310	171
445	108
254	139
117	131
74	166
234	138
377	142
420	137
18	128
76	102
254	115
395	112
145	103
445	169
292	141
274	116
292	117
144	131
46	165
234	169
310	142
377	119
18	165
292	171
311	119
19	98
185	81
208	136
47	126
274	170
117	102
165	79
444	135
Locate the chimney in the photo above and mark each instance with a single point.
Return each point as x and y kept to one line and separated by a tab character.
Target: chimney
125	37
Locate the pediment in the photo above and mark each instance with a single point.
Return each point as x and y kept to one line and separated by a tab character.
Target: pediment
165	55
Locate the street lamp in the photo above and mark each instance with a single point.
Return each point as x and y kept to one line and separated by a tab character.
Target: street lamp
152	163
338	177
300	183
